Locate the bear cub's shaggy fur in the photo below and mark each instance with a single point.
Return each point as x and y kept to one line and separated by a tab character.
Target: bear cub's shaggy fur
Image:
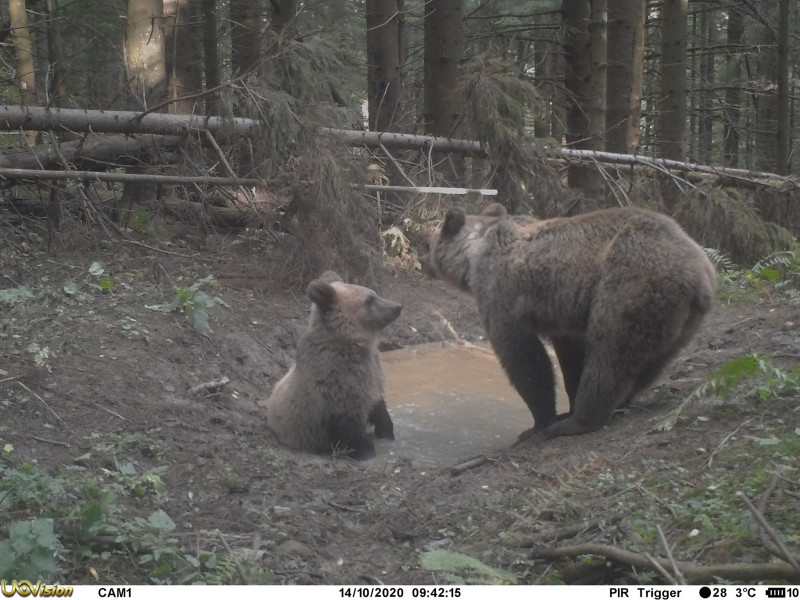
335	388
618	292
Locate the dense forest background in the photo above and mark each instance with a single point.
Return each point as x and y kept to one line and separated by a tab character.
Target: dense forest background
173	173
713	83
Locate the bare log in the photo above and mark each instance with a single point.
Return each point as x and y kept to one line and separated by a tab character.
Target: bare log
13	118
663	163
404	141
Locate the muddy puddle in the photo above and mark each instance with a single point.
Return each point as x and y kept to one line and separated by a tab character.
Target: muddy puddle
450	403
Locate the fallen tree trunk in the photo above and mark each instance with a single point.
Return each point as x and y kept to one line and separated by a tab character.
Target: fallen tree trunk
665	164
102	151
13	118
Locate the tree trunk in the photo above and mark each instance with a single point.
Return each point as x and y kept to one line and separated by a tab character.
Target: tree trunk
543	49
625	71
145	63
183	66
765	155
733	89
211	64
671	124
144	52
578	76
598	43
246	18
782	153
57	92
706	94
443	98
384	65
23	49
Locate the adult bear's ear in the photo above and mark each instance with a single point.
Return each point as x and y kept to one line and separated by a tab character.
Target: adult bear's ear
453	221
321	293
494	210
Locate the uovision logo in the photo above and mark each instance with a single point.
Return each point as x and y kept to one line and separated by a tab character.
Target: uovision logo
38	590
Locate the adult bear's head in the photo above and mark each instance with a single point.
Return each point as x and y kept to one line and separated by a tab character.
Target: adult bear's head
457	242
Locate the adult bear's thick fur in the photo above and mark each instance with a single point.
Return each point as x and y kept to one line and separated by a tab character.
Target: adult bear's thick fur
335	388
618	292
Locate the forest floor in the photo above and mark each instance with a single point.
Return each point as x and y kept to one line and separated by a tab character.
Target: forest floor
149	480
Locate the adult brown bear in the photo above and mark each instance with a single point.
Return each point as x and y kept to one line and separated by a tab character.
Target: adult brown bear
618	292
335	388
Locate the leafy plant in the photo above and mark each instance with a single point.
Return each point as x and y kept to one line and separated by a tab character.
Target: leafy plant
15	295
460	568
30	551
95	280
193	302
41	356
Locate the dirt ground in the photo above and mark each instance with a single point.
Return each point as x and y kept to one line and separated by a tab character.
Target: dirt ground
96	381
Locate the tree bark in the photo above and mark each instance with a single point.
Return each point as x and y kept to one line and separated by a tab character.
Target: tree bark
782	153
706	93
145	63
443	95
23	49
578	75
596	101
56	58
144	52
544	49
733	91
671	124
765	151
211	65
181	56
625	71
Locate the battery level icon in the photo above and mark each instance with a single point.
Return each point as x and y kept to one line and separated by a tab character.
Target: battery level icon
776	592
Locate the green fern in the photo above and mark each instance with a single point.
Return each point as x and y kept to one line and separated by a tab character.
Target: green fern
768	380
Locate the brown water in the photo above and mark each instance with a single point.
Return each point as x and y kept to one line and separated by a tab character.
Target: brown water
450	402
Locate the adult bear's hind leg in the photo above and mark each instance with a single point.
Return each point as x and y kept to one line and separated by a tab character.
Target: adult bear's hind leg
529	369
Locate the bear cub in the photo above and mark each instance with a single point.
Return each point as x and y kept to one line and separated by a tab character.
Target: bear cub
618	292
335	388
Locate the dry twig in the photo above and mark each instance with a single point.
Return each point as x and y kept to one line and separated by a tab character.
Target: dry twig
694	574
784	551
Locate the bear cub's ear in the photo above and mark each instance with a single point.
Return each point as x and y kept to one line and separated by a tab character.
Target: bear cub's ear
321	293
453	221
